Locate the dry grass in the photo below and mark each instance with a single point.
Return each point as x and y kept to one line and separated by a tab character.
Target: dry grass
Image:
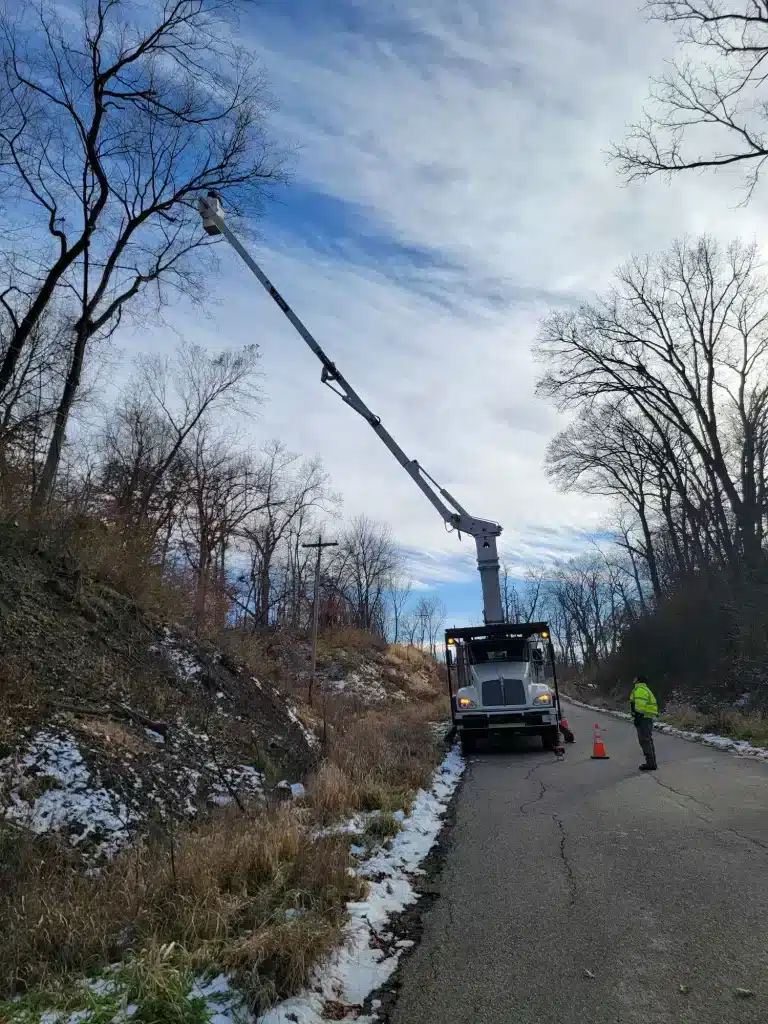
349	639
221	893
256	896
375	761
254	650
410	657
214	895
737	725
108	567
581	691
108	731
415	672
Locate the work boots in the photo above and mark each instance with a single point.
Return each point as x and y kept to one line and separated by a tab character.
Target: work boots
647	767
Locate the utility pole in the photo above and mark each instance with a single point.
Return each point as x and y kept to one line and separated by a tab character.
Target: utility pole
319	544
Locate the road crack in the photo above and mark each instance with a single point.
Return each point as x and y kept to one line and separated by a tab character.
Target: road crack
569	875
542	789
567	866
680	793
722	829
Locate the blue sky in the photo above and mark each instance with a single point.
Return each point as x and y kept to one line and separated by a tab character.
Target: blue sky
449	187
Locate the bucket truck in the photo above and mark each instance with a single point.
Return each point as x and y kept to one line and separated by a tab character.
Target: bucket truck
479	662
502	681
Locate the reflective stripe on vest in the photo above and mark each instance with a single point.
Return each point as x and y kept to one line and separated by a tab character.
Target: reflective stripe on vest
644	701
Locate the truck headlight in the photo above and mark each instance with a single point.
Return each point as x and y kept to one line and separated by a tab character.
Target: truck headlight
465	702
543	698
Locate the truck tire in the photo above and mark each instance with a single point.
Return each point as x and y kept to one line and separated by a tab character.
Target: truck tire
550	737
467	744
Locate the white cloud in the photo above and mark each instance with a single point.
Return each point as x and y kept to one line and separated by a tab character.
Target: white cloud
482	139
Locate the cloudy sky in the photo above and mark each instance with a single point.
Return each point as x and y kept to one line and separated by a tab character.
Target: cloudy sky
450	186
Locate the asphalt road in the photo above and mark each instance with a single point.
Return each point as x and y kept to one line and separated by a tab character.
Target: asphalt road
648	881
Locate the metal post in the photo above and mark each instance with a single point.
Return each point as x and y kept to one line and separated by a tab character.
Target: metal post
320	544
554	679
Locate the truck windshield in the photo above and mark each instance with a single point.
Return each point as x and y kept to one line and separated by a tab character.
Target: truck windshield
508	649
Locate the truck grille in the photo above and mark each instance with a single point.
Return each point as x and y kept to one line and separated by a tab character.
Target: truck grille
497	692
514	691
492	693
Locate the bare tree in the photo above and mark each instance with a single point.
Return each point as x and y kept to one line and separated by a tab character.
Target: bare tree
31	401
709	110
591	596
134	440
412	629
399	596
430	614
677	354
609	450
520	601
292	488
109	127
371	561
225	488
167	400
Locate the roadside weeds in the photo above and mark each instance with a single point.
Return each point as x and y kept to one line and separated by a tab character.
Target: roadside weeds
260	895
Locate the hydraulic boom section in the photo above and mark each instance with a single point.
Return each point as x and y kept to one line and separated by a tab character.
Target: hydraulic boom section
484	531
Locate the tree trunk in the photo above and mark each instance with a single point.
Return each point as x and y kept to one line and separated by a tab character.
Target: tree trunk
50	469
38	307
201	589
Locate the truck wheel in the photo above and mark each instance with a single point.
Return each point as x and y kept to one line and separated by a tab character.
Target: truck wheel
550	737
467	744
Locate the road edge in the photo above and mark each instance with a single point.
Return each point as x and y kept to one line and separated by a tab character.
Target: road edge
743	748
409	924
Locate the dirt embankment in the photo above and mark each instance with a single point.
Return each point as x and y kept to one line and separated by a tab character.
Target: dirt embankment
172	806
109	720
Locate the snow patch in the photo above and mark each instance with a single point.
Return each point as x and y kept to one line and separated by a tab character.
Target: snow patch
223	1004
312	741
295	789
741	747
369	955
71	802
48	787
187	665
364	684
242	780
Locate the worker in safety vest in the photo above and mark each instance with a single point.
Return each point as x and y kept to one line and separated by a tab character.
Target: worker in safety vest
644	710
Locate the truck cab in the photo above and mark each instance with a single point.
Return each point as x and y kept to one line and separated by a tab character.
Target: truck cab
499	682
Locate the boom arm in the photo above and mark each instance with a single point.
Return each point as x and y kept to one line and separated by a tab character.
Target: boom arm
484	531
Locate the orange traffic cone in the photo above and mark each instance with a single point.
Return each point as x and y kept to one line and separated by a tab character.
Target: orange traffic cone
598	747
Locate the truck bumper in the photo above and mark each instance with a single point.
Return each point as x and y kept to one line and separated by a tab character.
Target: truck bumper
481	724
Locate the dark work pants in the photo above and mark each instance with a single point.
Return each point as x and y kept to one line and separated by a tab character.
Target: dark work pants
644	728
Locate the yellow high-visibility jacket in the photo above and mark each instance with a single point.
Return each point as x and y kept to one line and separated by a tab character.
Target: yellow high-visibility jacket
643	702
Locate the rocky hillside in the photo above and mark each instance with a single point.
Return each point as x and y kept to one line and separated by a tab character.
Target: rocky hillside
109	720
112	723
173	808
